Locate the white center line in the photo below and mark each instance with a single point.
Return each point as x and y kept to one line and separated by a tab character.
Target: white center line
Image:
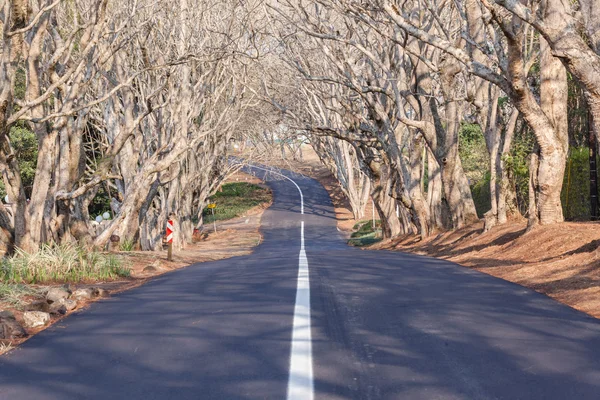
300	381
289	179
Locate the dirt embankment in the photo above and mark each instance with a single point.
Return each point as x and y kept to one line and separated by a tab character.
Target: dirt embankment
561	261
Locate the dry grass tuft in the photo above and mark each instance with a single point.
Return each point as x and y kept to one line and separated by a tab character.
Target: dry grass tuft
61	263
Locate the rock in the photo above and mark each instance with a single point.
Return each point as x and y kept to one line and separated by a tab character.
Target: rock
34	319
7	315
39	306
57	293
58	309
114	245
99	292
82	294
9	327
69	304
154	267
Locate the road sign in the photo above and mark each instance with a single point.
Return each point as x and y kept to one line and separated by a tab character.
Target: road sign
212	206
170	231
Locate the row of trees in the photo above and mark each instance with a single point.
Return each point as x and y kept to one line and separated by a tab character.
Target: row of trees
139	99
384	88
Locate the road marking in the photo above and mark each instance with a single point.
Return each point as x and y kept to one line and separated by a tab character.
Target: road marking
300	381
289	179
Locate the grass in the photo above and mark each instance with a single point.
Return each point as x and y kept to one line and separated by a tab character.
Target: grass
364	234
127	245
61	263
5	348
235	199
14	294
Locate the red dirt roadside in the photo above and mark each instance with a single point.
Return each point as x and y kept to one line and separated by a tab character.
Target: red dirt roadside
561	261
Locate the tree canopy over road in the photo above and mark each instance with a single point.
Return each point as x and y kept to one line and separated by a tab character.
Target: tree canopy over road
136	105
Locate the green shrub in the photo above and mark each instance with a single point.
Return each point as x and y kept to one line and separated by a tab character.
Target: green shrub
364	234
235	199
14	294
61	263
481	195
127	245
575	195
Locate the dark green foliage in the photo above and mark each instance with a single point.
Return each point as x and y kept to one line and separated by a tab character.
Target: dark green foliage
575	194
235	199
20	84
473	153
364	234
101	202
516	163
24	143
481	195
476	164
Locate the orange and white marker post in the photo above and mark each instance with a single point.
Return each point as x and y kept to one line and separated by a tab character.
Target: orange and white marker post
170	230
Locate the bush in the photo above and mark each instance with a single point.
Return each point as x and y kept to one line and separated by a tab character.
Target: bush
481	195
473	153
235	199
127	245
575	195
14	294
364	234
61	263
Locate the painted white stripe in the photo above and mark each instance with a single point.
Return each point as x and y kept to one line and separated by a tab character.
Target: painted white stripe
300	382
289	179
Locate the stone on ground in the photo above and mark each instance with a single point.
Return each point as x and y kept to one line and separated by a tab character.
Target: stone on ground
57	293
69	304
39	306
9	327
58	309
82	294
99	292
34	319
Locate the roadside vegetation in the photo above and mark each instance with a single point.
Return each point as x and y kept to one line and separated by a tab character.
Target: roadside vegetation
67	263
14	294
366	234
235	199
60	278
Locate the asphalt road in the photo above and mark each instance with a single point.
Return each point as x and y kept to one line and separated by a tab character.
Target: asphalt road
383	326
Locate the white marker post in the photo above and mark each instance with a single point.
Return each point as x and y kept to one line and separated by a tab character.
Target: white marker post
212	207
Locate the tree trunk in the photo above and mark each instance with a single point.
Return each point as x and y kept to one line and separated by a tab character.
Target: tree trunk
553	155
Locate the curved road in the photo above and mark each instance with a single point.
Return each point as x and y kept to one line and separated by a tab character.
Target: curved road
383	326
